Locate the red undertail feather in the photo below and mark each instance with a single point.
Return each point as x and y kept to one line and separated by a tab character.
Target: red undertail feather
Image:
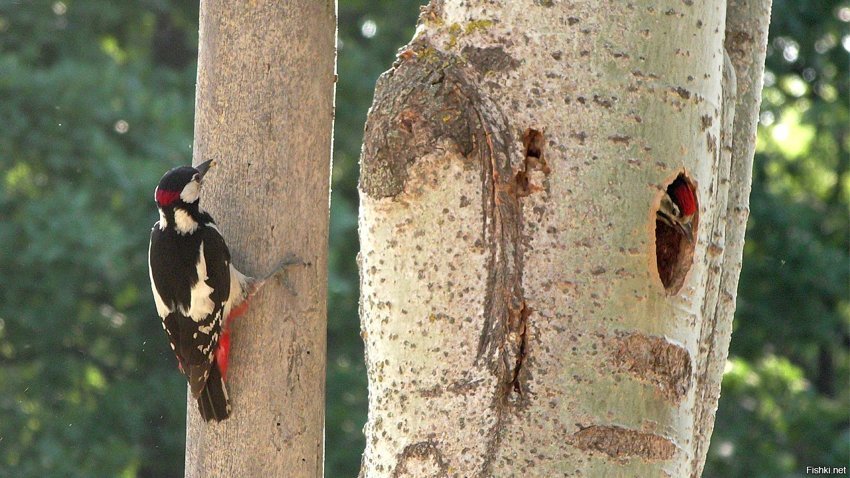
222	352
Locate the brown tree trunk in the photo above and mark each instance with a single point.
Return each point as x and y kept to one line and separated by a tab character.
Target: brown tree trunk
264	111
523	312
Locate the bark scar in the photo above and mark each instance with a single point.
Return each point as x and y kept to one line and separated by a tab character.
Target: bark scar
619	442
418	103
518	380
423	458
428	98
654	359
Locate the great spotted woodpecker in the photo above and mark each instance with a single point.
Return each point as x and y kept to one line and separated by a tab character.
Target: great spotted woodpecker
196	289
678	207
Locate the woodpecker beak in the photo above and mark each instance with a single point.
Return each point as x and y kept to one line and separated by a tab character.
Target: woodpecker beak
204	167
687	229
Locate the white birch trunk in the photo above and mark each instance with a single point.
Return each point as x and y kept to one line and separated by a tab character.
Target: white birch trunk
264	111
515	319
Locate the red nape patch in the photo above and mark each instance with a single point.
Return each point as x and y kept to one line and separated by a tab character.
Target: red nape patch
222	353
164	198
685	198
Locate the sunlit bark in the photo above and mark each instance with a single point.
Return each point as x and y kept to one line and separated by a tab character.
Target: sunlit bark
515	318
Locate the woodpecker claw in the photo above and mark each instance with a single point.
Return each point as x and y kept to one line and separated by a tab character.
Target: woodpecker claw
281	269
288	260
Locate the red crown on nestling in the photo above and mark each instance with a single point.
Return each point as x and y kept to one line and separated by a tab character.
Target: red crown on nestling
164	198
685	199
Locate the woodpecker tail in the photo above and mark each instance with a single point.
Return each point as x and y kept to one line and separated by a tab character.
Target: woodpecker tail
213	401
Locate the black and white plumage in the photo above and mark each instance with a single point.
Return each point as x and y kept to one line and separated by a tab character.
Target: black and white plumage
194	286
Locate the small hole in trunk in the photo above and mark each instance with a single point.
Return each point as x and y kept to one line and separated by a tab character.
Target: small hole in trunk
676	221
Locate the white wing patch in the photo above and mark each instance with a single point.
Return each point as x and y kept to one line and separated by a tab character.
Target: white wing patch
161	309
200	305
208	347
183	222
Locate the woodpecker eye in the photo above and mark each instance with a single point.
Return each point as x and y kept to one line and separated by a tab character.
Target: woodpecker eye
196	178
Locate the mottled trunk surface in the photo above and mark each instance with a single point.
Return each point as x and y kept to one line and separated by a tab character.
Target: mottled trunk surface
264	111
522	313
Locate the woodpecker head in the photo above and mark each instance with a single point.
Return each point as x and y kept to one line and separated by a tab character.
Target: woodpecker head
181	186
678	207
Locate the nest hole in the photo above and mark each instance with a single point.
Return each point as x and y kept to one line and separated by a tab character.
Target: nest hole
674	249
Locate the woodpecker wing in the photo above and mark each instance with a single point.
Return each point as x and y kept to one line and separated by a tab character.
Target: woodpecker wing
190	277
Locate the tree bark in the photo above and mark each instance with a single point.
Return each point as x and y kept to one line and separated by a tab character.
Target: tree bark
523	313
264	111
746	43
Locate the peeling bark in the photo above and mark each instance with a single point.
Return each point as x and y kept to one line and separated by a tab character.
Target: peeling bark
515	319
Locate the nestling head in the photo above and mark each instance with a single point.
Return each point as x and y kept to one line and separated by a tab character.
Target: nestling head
678	207
181	185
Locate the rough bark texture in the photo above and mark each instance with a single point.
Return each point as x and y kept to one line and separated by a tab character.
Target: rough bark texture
514	317
745	42
264	111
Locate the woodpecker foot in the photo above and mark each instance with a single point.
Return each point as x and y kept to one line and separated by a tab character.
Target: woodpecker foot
253	286
288	260
282	271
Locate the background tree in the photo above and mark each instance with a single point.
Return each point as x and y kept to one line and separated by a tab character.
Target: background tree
77	346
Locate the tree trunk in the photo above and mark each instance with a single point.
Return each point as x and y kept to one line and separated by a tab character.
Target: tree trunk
523	312
264	111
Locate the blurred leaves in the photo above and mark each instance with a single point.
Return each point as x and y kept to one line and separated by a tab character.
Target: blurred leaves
88	384
784	400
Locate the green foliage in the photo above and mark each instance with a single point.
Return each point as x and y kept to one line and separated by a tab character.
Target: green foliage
92	115
784	398
97	100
